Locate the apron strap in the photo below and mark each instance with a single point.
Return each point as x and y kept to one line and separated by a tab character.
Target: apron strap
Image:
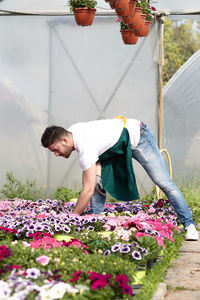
122	118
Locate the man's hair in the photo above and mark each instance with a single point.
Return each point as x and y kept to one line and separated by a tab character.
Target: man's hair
52	134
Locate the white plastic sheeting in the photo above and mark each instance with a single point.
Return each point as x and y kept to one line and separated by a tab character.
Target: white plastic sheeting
181	125
52	71
63	4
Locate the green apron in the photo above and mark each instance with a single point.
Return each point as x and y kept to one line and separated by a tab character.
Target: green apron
117	170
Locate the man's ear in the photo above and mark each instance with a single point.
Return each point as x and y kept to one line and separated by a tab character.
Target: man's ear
65	140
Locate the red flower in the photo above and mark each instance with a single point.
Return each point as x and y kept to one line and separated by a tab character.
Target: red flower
99	284
127	289
121	279
16	267
76	276
78	273
4	252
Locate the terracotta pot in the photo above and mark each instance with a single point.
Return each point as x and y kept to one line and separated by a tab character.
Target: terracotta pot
119	4
133	19
129	37
128	11
140	23
84	16
145	29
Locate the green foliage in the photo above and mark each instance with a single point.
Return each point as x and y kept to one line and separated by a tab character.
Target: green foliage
65	261
65	194
146	9
15	188
81	3
158	272
191	192
180	42
123	25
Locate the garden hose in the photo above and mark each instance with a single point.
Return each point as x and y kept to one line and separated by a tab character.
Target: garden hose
158	191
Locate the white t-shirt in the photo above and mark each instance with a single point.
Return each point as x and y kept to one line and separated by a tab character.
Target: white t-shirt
91	139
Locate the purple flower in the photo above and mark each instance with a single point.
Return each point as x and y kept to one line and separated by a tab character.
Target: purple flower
66	228
93	220
136	255
125	249
33	273
144	251
90	228
58	228
115	247
107	252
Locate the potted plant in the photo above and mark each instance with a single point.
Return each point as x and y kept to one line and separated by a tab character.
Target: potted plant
136	15
129	36
148	10
118	3
84	11
128	10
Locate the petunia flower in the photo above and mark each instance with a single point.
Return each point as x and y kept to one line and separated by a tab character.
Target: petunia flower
43	260
136	255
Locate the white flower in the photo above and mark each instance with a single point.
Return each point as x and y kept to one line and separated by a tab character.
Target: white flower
33	273
3	284
59	289
4	290
45	295
25	244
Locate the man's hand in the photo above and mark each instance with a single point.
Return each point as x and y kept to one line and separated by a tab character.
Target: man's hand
88	182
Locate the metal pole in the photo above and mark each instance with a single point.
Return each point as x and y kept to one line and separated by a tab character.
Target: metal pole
49	106
161	80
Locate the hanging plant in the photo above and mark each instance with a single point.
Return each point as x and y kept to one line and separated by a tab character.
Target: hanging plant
148	10
128	11
129	36
84	11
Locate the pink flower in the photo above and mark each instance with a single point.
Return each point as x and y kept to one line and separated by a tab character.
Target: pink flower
138	234
43	260
151	210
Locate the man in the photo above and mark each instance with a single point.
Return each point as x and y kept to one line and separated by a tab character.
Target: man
111	144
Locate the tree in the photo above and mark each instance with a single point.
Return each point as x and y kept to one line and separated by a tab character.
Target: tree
181	40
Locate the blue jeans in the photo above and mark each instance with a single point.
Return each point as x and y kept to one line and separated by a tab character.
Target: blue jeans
97	203
148	155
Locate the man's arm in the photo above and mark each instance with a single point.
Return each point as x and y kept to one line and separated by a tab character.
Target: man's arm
88	183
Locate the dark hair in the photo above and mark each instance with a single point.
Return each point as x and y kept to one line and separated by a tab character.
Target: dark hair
52	134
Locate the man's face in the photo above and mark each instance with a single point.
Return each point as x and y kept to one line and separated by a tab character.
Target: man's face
61	148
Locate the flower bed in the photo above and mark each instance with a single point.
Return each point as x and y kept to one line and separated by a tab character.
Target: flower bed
46	252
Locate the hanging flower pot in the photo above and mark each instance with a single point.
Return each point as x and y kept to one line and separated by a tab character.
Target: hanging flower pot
84	11
119	4
128	11
129	37
145	29
132	19
140	23
84	16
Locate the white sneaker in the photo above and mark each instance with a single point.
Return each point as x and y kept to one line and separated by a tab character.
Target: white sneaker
192	233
